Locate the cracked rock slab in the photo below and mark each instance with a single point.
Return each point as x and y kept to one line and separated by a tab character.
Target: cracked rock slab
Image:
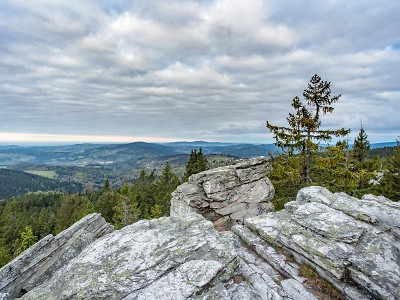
347	239
166	258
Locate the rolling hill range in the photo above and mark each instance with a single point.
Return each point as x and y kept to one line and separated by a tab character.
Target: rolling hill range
89	165
100	154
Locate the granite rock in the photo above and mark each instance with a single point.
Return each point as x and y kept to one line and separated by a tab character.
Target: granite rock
227	195
38	263
352	243
166	258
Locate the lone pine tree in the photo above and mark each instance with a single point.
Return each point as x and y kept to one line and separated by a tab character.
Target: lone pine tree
303	133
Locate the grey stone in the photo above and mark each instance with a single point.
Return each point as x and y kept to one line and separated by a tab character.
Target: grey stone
344	238
352	243
38	263
166	258
296	291
238	191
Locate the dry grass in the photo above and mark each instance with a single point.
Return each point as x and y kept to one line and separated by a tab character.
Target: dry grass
322	288
289	257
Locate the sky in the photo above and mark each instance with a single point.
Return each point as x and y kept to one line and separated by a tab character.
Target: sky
214	70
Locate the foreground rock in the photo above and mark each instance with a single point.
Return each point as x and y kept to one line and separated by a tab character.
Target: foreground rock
352	243
38	263
167	258
227	195
172	258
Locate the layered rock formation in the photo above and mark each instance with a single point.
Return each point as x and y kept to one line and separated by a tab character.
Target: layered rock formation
166	258
227	195
170	258
38	263
352	243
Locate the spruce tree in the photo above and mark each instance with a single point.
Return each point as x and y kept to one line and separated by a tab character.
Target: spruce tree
202	162
167	183
361	146
197	163
303	133
27	239
127	209
390	184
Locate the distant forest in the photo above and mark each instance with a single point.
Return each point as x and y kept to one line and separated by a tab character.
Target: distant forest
18	183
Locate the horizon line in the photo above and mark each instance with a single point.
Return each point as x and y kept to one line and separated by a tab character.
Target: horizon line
11	138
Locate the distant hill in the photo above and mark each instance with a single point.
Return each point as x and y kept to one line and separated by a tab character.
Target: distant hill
82	154
91	164
231	149
382	145
381	152
16	183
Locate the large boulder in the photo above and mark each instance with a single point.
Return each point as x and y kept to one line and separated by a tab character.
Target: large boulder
227	195
350	242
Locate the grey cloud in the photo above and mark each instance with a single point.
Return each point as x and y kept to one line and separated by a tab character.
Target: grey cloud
194	69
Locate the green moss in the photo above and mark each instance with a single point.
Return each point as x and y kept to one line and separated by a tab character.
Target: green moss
372	249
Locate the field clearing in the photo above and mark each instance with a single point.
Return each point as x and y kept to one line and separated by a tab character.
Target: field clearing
47	174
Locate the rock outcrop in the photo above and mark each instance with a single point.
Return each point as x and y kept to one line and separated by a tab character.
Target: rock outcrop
227	195
171	258
354	244
38	263
166	258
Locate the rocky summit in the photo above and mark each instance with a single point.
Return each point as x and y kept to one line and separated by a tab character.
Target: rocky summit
350	245
227	195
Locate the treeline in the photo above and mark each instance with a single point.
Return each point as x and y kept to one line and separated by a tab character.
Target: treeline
337	169
24	220
16	183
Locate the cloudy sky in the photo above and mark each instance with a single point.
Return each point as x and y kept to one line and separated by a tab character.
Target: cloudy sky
216	70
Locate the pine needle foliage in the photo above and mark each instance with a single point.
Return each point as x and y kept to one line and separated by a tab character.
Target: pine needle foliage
303	133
